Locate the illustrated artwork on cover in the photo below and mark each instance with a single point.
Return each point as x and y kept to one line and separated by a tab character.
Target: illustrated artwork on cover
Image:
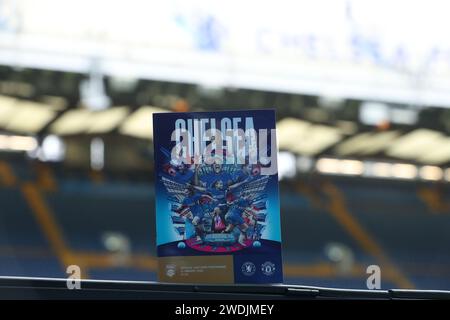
217	201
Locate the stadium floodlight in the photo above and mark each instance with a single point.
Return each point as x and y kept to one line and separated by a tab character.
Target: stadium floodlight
107	120
287	165
431	173
378	169
351	167
328	165
17	143
366	143
416	144
437	155
71	122
404	171
138	124
29	117
7	105
86	121
52	149
305	138
336	166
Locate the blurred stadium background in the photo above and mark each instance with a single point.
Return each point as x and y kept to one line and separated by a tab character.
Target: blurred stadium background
362	93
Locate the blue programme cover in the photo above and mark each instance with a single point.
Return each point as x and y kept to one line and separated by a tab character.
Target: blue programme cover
217	201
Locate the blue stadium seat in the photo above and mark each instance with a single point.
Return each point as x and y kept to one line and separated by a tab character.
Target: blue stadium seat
18	226
85	211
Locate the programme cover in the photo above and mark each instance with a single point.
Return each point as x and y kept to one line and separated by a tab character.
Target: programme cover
217	201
